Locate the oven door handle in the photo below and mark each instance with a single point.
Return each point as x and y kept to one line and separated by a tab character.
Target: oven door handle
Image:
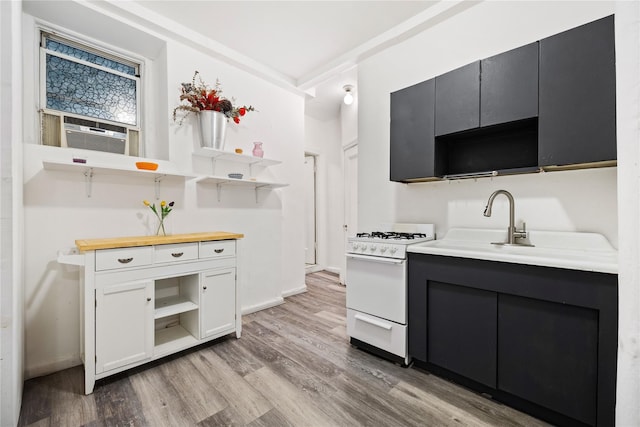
376	259
373	322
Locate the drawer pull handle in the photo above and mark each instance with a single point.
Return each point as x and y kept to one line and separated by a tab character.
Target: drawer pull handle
218	251
125	260
177	254
373	322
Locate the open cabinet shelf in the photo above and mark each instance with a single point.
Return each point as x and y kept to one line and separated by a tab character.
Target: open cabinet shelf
234	157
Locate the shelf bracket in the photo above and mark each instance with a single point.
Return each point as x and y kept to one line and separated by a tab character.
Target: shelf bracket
219	187
213	166
156	181
88	181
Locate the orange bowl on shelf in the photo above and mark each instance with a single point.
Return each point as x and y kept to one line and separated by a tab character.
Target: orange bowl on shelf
150	166
239	150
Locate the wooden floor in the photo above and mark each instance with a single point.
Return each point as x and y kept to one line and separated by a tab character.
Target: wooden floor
293	366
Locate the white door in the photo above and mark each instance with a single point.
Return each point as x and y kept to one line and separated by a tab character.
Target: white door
217	302
350	200
124	324
310	209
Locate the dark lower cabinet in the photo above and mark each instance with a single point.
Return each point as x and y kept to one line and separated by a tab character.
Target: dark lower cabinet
461	330
540	339
548	355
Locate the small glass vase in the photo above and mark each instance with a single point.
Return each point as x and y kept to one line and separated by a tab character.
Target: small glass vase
257	149
162	227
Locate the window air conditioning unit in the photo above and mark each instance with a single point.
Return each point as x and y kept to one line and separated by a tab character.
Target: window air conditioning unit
73	132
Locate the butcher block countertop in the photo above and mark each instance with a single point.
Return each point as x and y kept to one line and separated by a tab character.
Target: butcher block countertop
127	242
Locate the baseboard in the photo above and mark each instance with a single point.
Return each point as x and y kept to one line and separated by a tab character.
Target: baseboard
295	291
313	268
334	270
262	306
49	368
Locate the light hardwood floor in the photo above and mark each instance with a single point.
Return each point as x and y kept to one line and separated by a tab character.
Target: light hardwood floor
293	366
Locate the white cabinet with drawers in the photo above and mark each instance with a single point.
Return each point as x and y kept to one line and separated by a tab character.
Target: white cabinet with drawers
155	296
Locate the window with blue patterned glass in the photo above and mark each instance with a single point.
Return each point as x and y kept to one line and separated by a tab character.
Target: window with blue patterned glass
84	81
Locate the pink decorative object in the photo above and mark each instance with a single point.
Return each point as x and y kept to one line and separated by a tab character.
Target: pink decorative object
257	149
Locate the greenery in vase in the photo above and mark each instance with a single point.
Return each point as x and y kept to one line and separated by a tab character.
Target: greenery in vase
200	97
165	209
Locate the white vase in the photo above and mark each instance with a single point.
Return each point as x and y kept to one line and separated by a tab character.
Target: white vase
213	126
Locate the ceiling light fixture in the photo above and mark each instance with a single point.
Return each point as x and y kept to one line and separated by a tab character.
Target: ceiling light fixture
348	97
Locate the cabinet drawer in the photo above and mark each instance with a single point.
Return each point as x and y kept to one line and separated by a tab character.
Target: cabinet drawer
217	248
380	333
111	259
177	252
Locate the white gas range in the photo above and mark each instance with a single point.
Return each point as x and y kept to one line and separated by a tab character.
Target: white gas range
377	288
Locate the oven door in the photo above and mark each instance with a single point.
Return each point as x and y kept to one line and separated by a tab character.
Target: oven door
377	286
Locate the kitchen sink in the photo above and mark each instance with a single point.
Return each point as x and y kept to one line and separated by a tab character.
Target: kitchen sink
560	249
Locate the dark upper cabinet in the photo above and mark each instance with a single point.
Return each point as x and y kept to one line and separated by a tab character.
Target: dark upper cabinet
458	100
577	122
509	86
412	136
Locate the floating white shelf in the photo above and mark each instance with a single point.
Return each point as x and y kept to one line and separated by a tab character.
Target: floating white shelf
169	306
220	181
90	169
239	158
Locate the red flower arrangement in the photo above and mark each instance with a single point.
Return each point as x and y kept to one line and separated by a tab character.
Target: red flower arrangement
200	97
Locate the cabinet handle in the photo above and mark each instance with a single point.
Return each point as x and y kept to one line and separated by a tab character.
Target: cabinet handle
218	251
177	254
148	299
204	287
125	260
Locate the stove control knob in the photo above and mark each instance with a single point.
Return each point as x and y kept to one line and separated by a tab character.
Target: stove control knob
373	248
383	249
356	245
364	246
393	249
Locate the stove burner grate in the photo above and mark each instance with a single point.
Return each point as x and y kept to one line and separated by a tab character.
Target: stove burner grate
392	235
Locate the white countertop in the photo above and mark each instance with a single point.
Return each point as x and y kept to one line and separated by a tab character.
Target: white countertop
560	249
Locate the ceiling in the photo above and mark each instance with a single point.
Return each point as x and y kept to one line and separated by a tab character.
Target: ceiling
313	45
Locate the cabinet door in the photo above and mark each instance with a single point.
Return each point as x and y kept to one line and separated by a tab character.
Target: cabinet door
548	354
412	132
218	302
577	121
461	330
124	324
458	100
509	86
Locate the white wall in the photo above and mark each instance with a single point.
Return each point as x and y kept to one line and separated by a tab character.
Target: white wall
11	301
323	138
57	210
628	114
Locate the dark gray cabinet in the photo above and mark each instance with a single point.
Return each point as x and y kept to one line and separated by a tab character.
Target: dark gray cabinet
543	340
461	330
412	153
577	121
548	354
458	100
509	86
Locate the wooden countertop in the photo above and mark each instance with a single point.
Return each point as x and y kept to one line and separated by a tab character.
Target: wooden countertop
127	242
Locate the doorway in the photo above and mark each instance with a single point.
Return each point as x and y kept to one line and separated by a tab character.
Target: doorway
310	210
350	199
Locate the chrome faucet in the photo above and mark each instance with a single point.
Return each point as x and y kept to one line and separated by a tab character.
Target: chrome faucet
512	232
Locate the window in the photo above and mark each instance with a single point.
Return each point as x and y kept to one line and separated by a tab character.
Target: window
90	98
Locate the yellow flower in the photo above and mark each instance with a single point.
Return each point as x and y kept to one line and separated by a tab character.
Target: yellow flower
146	202
163	203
